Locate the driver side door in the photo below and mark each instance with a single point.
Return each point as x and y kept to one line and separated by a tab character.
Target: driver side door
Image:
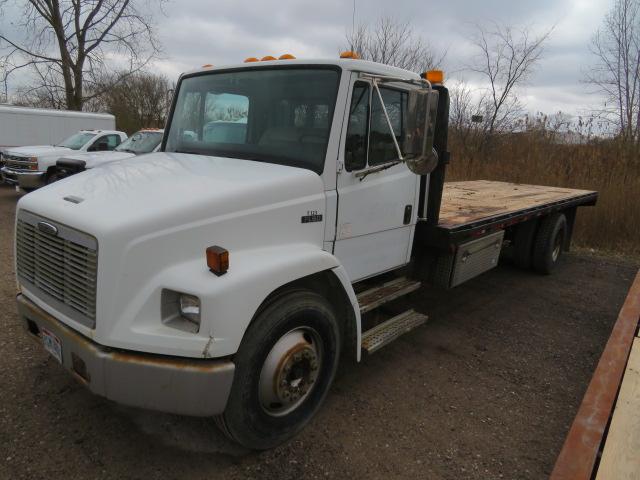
377	197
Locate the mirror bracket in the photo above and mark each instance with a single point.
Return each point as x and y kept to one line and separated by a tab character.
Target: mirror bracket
420	156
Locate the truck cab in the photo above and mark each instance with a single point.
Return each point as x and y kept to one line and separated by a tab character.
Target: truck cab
32	167
226	274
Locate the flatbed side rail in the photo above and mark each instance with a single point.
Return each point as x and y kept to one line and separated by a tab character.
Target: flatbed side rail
443	236
584	441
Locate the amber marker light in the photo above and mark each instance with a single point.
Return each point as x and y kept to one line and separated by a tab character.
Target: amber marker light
266	58
218	260
251	59
350	54
434	76
286	56
207	65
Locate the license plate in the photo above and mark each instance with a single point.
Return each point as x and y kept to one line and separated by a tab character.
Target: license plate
52	344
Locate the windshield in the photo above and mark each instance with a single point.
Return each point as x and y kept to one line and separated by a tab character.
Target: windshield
141	142
77	140
278	115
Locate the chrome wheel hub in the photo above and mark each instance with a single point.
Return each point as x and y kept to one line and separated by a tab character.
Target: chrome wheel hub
290	371
557	247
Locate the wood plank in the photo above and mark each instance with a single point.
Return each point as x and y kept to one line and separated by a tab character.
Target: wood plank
621	455
468	202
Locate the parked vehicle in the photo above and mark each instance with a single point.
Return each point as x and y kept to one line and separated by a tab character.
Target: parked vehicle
225	277
144	141
21	126
33	167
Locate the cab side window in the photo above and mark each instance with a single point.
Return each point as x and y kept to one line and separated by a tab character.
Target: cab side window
356	142
111	142
381	146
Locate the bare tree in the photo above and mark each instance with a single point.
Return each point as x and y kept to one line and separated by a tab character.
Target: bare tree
67	44
463	105
140	100
506	58
394	43
616	46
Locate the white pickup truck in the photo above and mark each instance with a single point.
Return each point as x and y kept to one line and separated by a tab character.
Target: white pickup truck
225	275
144	141
34	166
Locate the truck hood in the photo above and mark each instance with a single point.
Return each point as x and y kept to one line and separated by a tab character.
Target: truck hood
37	151
96	159
161	190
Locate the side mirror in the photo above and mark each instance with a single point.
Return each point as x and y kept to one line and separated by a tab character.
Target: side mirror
420	156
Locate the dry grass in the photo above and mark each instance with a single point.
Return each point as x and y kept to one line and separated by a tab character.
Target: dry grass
609	167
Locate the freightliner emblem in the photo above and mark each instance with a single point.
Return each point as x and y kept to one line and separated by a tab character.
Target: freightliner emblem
47	228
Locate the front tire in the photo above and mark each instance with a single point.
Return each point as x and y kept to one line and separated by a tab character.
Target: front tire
284	368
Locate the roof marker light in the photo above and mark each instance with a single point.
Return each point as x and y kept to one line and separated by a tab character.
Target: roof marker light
251	59
350	54
434	76
286	56
207	65
267	58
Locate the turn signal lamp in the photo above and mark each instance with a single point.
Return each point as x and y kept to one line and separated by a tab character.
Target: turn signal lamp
350	54
218	260
286	56
434	76
267	58
251	59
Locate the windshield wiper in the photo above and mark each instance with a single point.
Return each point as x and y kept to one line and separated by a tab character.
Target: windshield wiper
192	152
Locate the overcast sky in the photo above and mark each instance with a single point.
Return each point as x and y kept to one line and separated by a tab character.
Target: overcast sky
195	32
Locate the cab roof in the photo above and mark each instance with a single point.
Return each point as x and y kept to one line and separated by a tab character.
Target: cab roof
364	66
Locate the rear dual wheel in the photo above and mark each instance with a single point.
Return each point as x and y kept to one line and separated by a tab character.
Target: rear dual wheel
284	368
539	243
549	243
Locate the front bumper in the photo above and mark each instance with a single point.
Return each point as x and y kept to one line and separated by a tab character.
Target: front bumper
156	382
31	180
9	176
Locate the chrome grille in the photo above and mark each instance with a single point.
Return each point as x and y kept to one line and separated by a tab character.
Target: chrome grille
62	267
17	163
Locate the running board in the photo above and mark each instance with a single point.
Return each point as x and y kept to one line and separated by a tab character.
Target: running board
376	296
385	333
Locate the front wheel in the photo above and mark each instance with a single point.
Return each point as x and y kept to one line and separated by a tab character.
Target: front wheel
284	368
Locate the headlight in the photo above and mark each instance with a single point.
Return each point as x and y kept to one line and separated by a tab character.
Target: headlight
33	159
190	308
180	311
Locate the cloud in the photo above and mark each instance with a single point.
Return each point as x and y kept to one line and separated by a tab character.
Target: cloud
196	32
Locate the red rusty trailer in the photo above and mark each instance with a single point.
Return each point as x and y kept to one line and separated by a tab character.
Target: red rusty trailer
605	435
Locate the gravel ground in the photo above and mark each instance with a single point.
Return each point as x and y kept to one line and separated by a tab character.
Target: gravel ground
487	389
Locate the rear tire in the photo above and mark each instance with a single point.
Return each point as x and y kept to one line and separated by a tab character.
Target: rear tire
524	237
549	243
284	368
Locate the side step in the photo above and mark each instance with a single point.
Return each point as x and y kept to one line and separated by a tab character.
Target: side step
376	296
385	333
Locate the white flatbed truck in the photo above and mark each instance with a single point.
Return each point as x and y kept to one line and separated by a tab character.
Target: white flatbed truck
225	275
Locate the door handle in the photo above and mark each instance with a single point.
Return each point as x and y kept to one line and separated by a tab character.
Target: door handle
407	214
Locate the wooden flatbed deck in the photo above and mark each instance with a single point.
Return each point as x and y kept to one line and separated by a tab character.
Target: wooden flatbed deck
480	206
